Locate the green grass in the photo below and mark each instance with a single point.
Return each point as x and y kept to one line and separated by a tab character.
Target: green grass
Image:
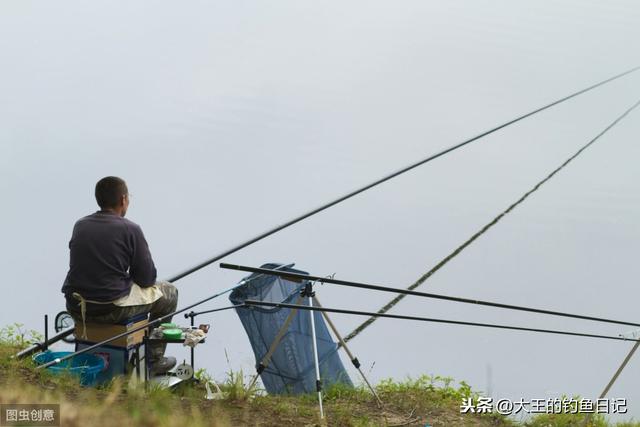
428	399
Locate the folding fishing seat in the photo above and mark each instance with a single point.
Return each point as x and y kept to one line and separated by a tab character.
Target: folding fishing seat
120	355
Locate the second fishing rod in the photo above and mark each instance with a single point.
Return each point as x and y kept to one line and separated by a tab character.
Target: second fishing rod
151	323
320	279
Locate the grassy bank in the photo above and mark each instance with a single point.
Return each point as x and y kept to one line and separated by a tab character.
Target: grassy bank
426	400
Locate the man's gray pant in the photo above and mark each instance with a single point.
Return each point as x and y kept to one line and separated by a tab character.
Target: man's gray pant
110	313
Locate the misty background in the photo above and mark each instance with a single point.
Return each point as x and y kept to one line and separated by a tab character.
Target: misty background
228	118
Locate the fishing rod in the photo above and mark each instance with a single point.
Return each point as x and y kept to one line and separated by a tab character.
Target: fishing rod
358	330
240	283
42	345
297	277
250	303
388	177
393	175
39	346
154	322
124	334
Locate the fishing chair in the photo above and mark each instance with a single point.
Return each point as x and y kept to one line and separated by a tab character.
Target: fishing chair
120	355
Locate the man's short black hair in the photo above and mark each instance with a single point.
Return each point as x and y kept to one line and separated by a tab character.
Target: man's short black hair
109	191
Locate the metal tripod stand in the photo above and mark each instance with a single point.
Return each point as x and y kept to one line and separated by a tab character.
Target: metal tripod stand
308	292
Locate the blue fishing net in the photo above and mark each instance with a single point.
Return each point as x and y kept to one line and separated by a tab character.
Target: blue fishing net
291	369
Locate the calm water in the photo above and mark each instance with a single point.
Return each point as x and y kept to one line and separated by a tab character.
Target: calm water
229	119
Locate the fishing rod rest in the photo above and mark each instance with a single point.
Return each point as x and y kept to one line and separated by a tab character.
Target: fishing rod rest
307	291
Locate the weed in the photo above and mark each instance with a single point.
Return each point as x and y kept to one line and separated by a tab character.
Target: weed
236	388
342	392
15	335
567	420
203	376
432	399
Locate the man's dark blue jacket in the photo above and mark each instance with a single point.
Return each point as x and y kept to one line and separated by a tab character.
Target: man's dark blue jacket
107	254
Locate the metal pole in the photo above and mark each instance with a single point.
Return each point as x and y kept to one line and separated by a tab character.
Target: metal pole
39	346
46	331
145	341
353	359
614	378
308	292
266	359
137	358
619	371
192	349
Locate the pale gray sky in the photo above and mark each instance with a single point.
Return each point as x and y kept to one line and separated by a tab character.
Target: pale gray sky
227	118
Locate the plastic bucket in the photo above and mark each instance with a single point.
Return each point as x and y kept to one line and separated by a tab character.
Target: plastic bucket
86	366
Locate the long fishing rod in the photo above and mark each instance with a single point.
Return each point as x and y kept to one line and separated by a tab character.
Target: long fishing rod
124	334
154	322
240	283
42	345
487	226
63	334
393	175
321	279
250	303
377	182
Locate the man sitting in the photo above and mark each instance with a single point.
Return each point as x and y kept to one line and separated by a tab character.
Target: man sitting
111	274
